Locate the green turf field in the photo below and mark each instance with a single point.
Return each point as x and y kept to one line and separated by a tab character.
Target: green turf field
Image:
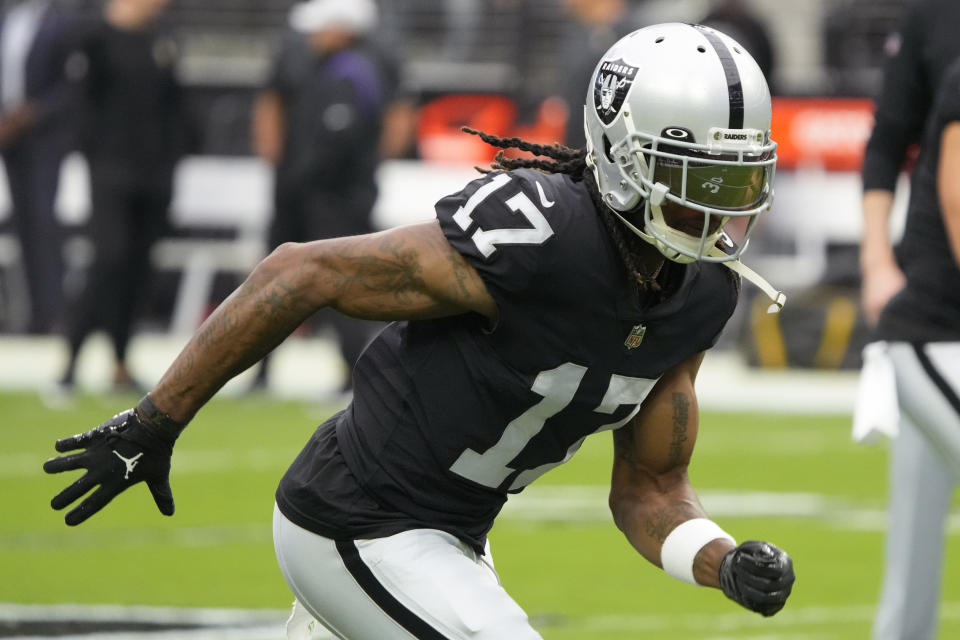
795	480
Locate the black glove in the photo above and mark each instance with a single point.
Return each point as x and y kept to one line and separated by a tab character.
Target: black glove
129	447
758	575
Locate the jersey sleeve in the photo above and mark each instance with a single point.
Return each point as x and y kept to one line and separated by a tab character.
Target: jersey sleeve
495	223
902	106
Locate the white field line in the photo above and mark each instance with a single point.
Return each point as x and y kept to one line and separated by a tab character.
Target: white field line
275	632
138	613
777	636
25	465
724	623
132	538
588	504
266	458
217	624
570	504
212	624
306	368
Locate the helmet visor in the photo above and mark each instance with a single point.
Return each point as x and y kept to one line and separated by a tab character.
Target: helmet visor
721	186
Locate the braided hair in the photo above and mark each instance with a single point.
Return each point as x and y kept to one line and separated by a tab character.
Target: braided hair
558	158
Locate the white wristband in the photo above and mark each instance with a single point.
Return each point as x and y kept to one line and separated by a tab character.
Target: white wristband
684	542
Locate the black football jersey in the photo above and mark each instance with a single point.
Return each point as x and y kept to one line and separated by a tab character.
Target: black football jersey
927	309
451	415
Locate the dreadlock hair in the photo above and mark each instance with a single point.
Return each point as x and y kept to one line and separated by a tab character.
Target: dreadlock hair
558	158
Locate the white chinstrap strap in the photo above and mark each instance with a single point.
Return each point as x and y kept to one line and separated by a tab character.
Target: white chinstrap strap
778	297
684	542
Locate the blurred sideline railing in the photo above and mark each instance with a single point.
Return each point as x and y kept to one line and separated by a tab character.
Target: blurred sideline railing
229	198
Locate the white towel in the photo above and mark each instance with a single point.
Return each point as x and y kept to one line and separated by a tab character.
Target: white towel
876	413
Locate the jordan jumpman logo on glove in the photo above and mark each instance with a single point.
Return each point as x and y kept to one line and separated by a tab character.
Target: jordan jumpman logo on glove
130	462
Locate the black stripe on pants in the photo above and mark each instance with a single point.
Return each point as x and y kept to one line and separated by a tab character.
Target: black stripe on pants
384	599
937	379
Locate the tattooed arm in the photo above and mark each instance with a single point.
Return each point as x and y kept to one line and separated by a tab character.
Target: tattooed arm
650	492
407	272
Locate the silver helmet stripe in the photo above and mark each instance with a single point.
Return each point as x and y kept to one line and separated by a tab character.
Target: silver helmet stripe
734	86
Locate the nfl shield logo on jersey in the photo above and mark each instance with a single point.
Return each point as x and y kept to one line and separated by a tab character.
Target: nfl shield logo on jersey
635	337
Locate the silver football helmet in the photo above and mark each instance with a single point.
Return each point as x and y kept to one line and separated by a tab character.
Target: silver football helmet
677	119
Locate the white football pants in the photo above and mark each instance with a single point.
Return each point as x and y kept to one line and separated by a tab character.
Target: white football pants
424	584
924	468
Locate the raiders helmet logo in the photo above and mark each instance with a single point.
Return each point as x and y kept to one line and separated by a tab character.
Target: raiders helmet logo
610	87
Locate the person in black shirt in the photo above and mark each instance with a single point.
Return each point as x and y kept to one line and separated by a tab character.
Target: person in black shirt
35	134
592	27
555	297
131	113
912	298
319	121
919	53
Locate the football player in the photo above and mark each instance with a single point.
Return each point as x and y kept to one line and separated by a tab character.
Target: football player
552	298
911	300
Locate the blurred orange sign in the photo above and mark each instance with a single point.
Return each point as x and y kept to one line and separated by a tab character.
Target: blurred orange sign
821	132
830	133
440	139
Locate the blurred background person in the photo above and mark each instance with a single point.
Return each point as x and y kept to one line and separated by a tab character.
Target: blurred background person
319	122
34	137
911	298
593	27
853	37
736	18
132	135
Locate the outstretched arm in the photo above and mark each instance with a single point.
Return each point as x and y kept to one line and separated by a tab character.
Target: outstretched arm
407	272
656	508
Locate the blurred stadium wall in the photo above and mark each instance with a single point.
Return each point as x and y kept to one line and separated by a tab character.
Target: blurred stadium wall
828	57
